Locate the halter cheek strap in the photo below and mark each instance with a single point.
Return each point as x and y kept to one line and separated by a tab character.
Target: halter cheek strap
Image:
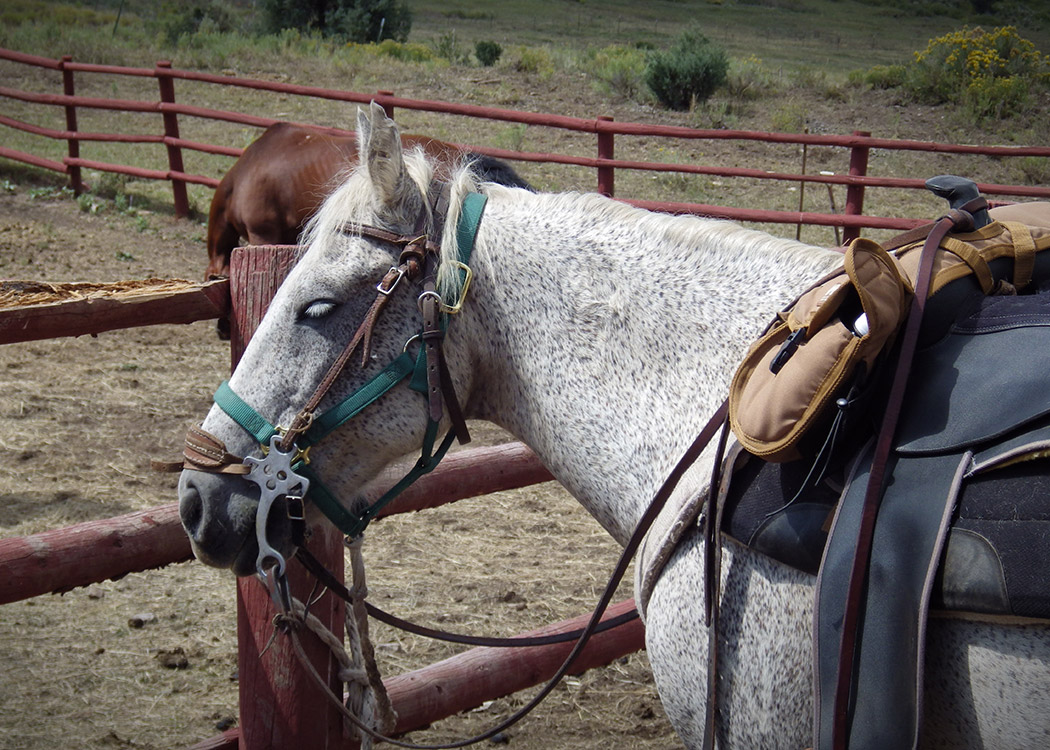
428	371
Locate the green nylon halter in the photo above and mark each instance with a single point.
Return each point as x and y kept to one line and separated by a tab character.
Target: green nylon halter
404	365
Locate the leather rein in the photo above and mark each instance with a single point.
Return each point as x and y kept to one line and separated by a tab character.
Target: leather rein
285	465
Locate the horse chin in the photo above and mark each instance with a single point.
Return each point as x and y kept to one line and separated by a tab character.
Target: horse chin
220	522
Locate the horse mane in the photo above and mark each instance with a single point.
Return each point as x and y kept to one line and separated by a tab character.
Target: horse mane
353	197
449	280
693	237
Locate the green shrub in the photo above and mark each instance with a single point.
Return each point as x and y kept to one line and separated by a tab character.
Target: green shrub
533	60
749	79
882	76
373	20
399	50
488	53
189	18
1036	169
687	73
789	117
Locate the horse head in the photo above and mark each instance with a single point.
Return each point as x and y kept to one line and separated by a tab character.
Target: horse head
379	229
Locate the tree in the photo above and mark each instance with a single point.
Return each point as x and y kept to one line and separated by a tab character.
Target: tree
353	20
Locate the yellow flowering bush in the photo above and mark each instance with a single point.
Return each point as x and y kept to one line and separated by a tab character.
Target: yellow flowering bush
990	72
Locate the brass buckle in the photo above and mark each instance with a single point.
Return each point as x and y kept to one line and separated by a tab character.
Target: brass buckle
453	309
300	454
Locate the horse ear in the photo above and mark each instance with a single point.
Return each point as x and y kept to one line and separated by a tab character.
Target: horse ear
364	130
381	151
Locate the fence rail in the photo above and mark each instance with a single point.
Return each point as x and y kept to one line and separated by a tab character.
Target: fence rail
859	144
278	708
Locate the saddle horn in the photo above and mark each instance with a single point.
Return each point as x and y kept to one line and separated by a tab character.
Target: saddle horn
959	191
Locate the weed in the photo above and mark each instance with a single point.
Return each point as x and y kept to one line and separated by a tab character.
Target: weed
789	117
619	71
881	76
125	256
749	79
717	114
8	187
807	78
512	138
112	185
88	203
192	18
48	192
1036	169
449	48
416	53
470	15
535	60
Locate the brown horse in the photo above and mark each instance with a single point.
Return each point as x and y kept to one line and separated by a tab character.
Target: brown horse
282	178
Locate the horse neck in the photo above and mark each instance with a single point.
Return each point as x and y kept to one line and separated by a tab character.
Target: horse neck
606	343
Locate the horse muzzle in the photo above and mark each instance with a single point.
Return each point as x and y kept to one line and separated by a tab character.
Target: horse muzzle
219	514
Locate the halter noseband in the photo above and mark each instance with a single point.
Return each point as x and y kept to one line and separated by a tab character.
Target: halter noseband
284	470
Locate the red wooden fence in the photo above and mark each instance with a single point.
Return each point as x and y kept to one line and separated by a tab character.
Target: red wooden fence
605	129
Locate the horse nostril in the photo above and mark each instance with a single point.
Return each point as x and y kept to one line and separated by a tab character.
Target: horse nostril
191	510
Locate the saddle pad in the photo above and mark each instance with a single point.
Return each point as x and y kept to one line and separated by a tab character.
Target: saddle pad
987	377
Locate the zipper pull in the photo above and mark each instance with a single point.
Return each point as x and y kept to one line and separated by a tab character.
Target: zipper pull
787	349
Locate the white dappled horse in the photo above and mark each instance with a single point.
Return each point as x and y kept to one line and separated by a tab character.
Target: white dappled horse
603	337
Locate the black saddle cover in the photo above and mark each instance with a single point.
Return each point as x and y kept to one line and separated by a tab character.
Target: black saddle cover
964	523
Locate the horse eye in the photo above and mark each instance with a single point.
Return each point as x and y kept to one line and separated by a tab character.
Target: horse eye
319	308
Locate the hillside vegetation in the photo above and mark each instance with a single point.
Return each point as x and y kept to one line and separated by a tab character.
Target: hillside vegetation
793	66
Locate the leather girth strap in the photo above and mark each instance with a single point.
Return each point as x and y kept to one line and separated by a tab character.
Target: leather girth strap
857	567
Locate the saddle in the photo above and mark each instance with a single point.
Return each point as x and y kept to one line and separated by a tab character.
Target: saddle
963	525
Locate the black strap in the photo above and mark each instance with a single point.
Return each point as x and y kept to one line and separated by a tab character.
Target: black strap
329	581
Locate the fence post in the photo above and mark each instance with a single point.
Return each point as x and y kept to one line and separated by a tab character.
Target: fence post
171	131
75	181
388	108
280	706
606	150
858	166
